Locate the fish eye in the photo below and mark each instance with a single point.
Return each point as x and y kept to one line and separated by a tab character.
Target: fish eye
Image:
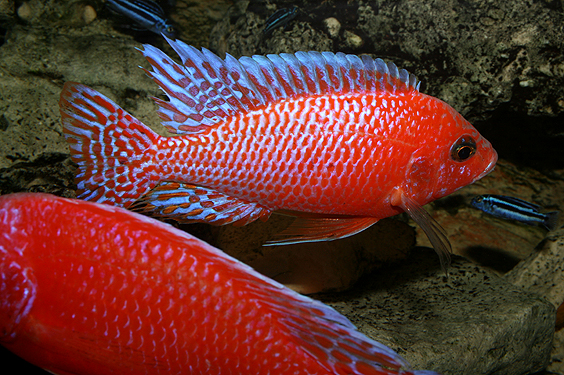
463	149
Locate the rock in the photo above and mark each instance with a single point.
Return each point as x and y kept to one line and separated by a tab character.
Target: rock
472	323
50	173
7	8
496	62
542	273
333	26
353	41
194	20
34	68
239	34
316	267
89	14
56	13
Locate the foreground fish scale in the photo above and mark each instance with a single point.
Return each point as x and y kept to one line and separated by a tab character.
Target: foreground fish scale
93	289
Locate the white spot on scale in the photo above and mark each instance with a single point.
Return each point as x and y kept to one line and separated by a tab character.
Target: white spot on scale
356	106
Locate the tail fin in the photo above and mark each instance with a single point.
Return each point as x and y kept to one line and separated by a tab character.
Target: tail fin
109	146
551	221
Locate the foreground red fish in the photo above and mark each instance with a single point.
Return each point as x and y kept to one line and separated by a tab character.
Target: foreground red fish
93	289
338	140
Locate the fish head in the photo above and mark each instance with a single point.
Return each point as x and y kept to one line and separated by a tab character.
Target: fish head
17	282
451	155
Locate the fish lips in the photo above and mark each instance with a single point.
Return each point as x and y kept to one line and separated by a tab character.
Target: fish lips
489	168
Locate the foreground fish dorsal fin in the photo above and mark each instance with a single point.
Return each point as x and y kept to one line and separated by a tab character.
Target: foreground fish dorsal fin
108	144
318	228
187	203
436	234
206	89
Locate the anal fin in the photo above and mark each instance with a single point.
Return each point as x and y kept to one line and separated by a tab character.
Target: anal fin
321	228
188	203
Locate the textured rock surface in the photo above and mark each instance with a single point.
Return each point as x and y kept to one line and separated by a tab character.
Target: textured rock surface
543	273
473	323
488	59
34	66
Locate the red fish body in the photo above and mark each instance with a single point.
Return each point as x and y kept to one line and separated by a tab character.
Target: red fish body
338	140
93	289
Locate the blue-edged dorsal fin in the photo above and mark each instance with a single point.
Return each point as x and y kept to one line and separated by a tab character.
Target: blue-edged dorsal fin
205	89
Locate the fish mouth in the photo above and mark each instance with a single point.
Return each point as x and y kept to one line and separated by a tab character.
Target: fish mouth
488	169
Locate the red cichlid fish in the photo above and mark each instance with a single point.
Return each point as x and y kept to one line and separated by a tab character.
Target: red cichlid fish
90	289
339	141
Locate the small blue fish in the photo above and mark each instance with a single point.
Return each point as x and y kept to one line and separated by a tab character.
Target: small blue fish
515	209
280	18
147	14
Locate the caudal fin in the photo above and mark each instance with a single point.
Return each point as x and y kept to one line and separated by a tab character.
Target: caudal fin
109	145
551	221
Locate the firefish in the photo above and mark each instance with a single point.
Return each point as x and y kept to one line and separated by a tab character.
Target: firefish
338	141
91	289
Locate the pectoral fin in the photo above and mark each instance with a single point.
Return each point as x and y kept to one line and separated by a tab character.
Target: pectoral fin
432	229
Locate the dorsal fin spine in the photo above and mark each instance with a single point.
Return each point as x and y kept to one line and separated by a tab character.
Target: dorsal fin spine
357	71
207	89
309	73
369	67
285	78
344	65
258	80
320	66
295	72
334	74
244	86
271	75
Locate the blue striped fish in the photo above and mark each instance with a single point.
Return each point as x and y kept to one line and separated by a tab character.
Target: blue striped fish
280	18
515	209
147	14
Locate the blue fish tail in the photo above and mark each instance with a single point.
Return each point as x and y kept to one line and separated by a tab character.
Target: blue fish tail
551	220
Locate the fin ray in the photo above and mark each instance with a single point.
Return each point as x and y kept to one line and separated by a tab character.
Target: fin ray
327	335
551	221
318	228
205	89
436	234
108	144
187	203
